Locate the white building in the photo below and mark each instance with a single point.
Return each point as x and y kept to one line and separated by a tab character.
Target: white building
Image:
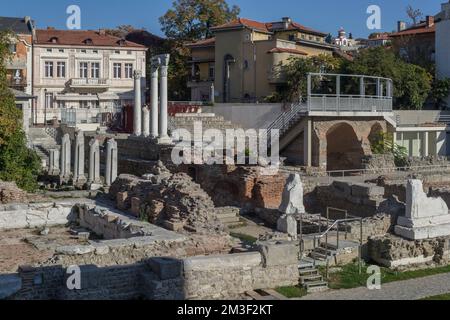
442	22
346	43
82	77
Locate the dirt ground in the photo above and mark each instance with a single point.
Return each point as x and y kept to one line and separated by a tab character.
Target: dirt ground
18	247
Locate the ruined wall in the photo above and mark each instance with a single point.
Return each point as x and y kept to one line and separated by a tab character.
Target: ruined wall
36	215
395	252
359	199
10	193
361	129
205	277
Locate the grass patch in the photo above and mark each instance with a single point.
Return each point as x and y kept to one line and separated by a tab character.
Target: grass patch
438	298
349	276
244	237
292	292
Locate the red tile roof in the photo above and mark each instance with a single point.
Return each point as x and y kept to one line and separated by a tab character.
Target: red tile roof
419	29
287	50
81	38
243	22
202	43
265	27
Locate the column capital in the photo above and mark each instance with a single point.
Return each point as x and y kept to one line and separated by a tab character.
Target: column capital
137	75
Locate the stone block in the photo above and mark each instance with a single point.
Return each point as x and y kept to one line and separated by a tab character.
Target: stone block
75	250
278	253
166	268
136	206
343	187
366	190
287	223
221	262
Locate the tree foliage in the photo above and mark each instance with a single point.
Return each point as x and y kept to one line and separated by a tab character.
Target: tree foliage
189	20
17	162
412	83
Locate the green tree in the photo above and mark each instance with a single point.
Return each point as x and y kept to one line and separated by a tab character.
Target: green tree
17	162
412	83
189	20
440	91
186	21
295	72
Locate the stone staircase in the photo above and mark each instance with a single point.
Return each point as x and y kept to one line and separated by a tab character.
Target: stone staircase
310	277
229	216
42	140
208	121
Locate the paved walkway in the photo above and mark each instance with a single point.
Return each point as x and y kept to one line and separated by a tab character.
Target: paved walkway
413	289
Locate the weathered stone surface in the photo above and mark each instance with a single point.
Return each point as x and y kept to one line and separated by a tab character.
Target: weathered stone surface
75	250
292	202
166	268
425	217
278	253
287	223
9	285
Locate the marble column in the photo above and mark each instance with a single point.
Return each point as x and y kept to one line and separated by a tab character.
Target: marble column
145	122
111	162
65	157
155	98
137	130
53	168
94	161
163	123
79	177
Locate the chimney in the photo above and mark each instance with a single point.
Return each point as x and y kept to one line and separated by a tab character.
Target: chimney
286	22
430	21
401	25
102	32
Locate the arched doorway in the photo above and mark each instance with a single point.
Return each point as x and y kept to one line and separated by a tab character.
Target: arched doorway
344	150
375	135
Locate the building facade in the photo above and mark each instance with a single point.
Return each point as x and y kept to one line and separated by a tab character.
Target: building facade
19	71
242	63
416	44
443	43
84	77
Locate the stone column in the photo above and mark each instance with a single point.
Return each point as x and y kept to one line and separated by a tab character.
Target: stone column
79	177
212	93
65	157
145	121
163	123
94	161
154	93
53	168
307	144
137	130
425	144
111	162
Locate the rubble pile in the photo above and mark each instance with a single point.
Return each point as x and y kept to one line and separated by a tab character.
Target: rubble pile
173	201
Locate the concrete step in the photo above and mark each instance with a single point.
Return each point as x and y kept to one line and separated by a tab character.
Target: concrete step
308	272
316	286
310	279
319	256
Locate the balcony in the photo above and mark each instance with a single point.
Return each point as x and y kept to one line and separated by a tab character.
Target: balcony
17	84
89	83
339	93
197	82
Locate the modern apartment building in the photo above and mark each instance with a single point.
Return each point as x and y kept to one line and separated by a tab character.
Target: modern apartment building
243	60
84	77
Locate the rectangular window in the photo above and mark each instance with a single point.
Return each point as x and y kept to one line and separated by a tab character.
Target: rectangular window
117	70
48	69
83	70
13	48
95	70
49	100
128	70
61	104
61	69
211	72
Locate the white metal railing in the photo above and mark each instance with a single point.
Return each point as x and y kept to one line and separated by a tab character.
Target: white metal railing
74	116
285	119
338	101
89	82
370	172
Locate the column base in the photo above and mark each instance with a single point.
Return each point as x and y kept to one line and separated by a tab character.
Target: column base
165	140
80	181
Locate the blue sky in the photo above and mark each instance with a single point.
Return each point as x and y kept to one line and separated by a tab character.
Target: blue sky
324	15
